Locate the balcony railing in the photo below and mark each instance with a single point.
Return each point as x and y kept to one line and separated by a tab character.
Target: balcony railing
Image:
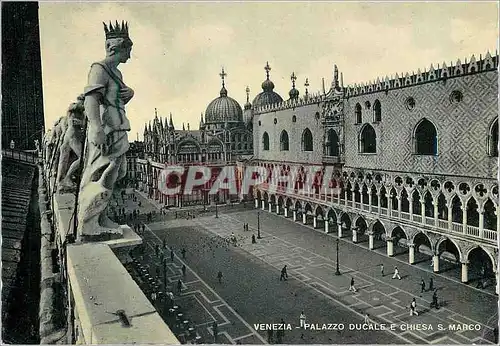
25	156
331	159
472	231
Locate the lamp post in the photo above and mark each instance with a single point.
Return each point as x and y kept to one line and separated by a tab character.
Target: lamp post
258	225
337	272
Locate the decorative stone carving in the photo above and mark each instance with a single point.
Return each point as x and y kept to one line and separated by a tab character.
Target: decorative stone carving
70	151
53	156
107	141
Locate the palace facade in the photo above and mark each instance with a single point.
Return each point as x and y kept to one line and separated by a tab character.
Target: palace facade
407	165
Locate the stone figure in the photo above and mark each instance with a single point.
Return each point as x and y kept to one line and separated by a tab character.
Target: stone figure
107	140
12	144
71	147
57	136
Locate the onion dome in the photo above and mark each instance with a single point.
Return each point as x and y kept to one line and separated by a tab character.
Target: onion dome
267	96
223	109
294	93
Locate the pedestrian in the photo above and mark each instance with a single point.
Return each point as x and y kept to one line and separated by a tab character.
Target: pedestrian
351	287
171	298
219	276
183	252
253	239
183	270
435	300
367	319
179	286
153	296
172	255
302	319
215	330
413	308
422	286
269	335
164	243
396	273
284	275
382	270
431	284
143	228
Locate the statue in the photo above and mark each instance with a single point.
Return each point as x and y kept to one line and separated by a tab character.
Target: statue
107	140
71	145
57	136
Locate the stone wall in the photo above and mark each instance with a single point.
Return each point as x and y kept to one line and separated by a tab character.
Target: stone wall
306	117
462	127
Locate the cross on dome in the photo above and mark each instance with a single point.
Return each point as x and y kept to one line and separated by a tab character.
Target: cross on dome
267	68
293	78
222	75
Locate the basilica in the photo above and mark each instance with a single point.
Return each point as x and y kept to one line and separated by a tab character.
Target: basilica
410	161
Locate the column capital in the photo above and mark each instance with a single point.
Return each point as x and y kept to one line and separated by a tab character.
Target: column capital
466	262
389	239
411	245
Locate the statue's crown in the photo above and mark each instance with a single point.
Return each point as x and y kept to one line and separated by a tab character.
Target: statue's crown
117	31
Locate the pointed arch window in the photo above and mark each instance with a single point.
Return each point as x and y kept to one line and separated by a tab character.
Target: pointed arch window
265	141
358	113
377	111
332	146
425	138
284	142
493	139
307	140
367	140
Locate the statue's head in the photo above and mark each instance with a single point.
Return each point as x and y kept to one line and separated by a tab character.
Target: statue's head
118	42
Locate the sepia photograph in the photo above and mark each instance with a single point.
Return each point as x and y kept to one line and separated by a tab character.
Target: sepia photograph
257	172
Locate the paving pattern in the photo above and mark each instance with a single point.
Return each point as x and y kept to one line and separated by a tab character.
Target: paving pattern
311	264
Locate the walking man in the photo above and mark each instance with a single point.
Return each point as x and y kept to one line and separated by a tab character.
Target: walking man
367	319
183	270
396	273
179	286
302	319
382	269
413	308
435	300
183	252
219	276
253	239
215	330
284	275
431	284
422	286
172	255
269	336
351	287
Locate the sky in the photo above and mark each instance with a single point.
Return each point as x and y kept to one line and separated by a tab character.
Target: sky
180	48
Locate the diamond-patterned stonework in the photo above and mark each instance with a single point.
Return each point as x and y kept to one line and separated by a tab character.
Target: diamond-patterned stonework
462	127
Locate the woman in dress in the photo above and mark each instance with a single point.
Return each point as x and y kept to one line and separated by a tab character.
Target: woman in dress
107	141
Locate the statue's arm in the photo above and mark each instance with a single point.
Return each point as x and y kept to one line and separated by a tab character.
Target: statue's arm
94	96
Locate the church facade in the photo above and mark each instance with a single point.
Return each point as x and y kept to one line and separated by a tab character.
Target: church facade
407	164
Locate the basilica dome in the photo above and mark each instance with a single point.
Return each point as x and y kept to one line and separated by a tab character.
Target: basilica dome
267	96
223	108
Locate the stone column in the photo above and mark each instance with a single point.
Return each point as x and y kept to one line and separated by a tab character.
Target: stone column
353	198
270	207
435	262
354	234
370	241
379	204
326	194
326	226
277	209
315	221
399	206
256	203
286	211
450	217
294	215
263	205
345	197
422	211
464	218
304	218
370	199
410	205
411	253
481	222
465	271
390	247
339	224
436	211
497	286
